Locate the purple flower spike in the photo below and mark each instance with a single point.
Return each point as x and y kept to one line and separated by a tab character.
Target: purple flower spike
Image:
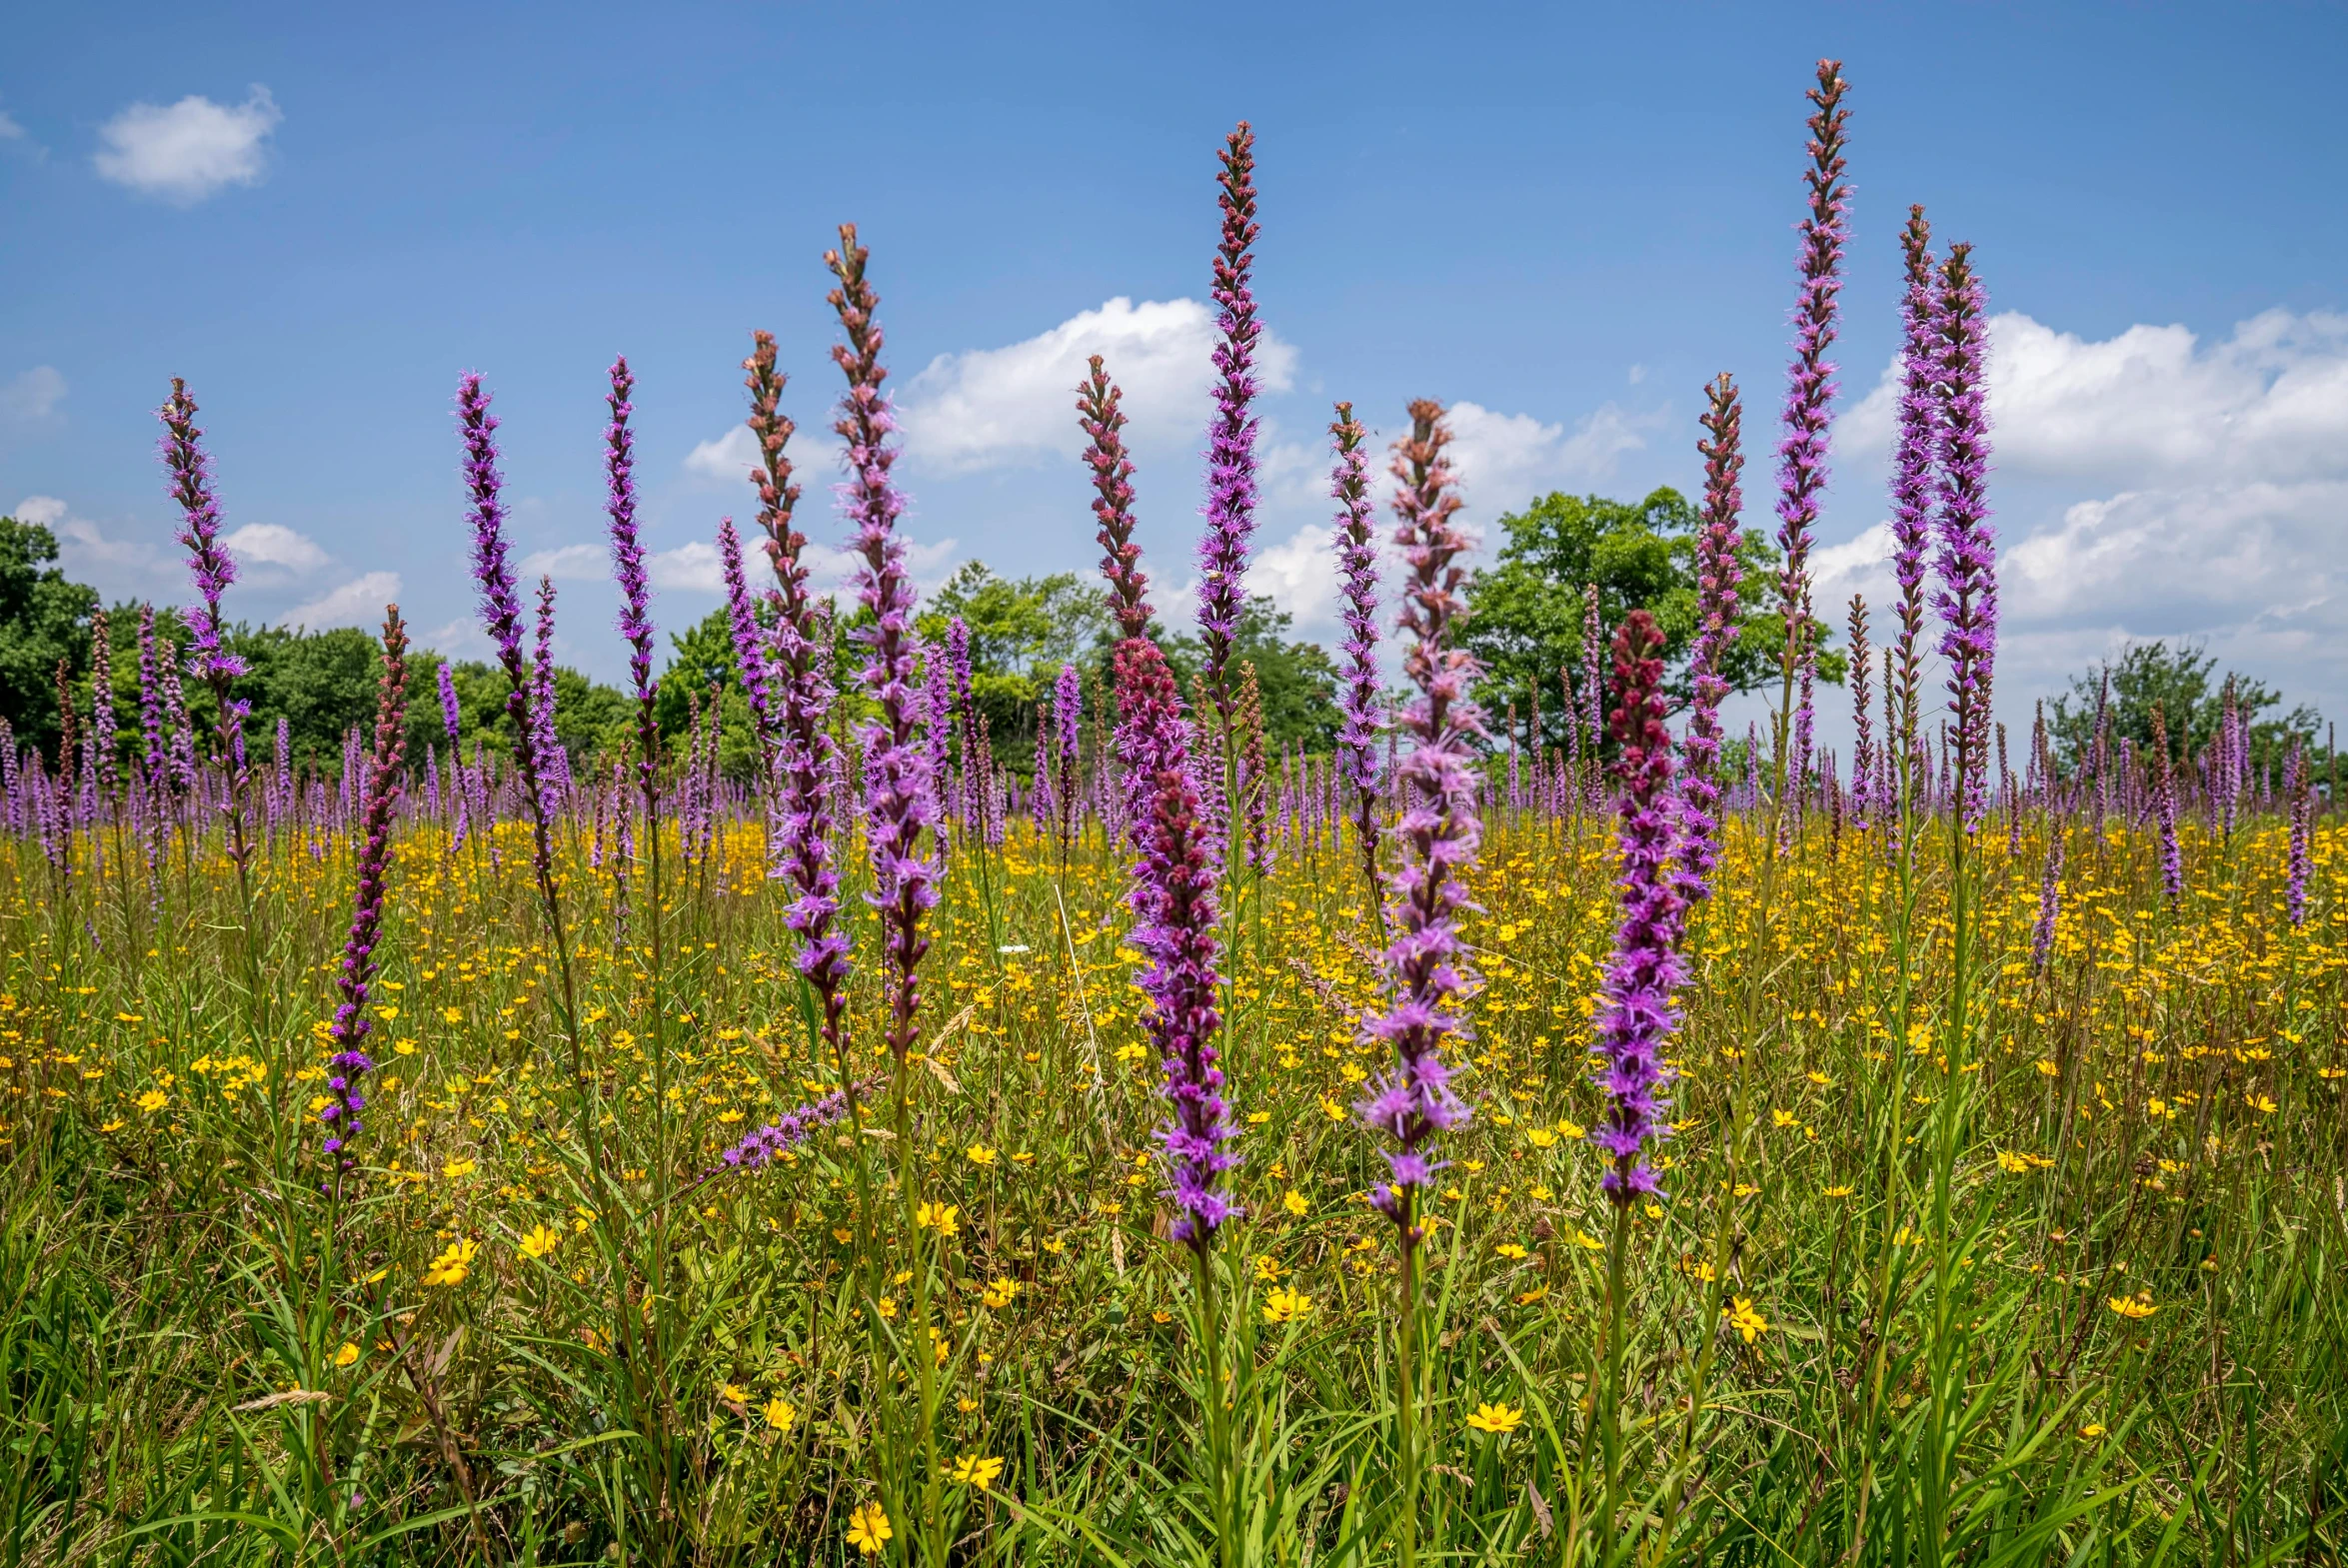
1717	578
209	562
1231	437
1809	391
627	571
1068	723
1176	929
449	713
2299	802
1912	458
1113	502
1440	831
1862	761
788	1133
750	642
1638	1017
2051	901
355	976
2164	811
801	673
1357	762
1967	564
898	794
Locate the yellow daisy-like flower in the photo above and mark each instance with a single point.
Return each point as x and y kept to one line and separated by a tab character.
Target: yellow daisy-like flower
541	1240
451	1267
2132	1308
1512	1250
977	1470
457	1168
1746	1319
979	1155
1000	1293
780	1414
1296	1204
868	1529
153	1100
1498	1420
1286	1305
733	1393
347	1354
943	1218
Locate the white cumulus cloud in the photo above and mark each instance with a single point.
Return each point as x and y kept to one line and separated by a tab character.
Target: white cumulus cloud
358	603
1015	406
31	395
568	563
275	545
189	150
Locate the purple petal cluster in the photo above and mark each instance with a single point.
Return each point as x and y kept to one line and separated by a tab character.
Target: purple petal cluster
793	1128
1112	500
1358	693
1810	388
2164	811
801	671
1862	709
2299	802
898	791
1914	453
209	562
2051	901
356	975
1174	904
1638	1017
1231	435
1068	723
1967	562
1718	576
1439	830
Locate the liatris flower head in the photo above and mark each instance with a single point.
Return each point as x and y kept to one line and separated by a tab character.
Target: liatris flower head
1113	502
1967	600
356	975
102	698
2164	810
209	562
628	569
1718	576
1638	1017
1231	435
1439	831
1809	392
2050	895
750	640
1862	762
1358	693
899	796
788	1132
2299	802
1913	454
1067	721
1173	903
449	713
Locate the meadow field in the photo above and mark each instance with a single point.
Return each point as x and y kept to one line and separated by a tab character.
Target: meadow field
1475	1140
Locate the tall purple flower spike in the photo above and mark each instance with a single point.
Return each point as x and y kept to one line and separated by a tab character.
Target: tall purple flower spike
449	713
1913	454
1967	600
1358	695
780	1137
542	683
1439	830
1862	709
2164	811
209	562
1809	391
1068	723
1113	502
628	571
2299	802
750	640
898	794
500	604
1231	435
1718	576
1637	1018
2050	900
800	673
1175	929
352	981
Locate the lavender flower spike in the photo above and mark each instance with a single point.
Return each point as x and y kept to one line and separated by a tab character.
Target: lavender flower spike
1638	1017
788	1133
1231	437
2050	899
1358	698
355	976
1809	391
1911	479
1440	831
1173	906
1717	577
898	797
1967	562
209	562
449	713
627	571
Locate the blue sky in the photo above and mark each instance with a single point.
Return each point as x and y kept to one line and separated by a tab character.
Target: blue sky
1564	220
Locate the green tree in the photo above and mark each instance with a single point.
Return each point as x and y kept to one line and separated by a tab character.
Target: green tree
43	617
1299	679
1524	621
2183	681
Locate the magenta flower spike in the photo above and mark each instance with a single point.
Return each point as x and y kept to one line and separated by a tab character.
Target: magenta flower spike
1718	576
1112	500
1967	562
1176	929
1638	1017
1438	832
1231	435
1358	695
356	975
2050	900
1810	388
801	675
1913	454
897	795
